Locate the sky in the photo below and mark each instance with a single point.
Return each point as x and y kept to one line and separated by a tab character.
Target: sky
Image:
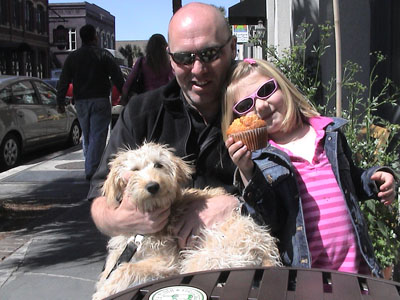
139	19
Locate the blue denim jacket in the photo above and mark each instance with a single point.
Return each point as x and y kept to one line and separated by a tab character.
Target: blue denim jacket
272	197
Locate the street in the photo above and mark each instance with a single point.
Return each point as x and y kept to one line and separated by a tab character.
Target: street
42	154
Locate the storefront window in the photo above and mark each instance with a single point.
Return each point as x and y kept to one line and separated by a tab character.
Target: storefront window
41	20
3	12
16	11
29	16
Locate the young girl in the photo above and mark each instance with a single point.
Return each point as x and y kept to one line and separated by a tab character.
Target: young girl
303	184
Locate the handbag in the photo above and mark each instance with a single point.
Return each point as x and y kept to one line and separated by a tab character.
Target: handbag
137	86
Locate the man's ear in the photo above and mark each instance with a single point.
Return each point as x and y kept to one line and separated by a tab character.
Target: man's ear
234	46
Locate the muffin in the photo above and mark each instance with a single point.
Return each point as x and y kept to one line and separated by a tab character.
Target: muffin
251	130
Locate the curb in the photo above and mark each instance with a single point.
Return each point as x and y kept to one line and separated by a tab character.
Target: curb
14	261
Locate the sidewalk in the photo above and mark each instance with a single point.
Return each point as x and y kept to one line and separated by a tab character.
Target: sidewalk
61	255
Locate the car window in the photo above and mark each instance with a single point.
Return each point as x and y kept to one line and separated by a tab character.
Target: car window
47	95
6	95
23	93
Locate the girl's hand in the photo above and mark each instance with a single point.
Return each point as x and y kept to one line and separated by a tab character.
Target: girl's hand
387	186
241	157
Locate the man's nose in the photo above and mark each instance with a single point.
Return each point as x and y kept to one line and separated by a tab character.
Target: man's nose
198	66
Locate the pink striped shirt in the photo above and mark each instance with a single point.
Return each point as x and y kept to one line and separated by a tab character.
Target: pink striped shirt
329	231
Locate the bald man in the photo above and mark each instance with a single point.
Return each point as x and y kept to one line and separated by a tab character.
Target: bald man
185	114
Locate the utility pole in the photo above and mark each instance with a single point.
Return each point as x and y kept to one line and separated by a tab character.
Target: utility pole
336	18
176	4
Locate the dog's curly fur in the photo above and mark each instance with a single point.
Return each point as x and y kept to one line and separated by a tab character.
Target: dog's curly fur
158	180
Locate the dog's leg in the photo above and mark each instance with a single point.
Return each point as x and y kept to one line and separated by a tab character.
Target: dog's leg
116	246
131	274
238	242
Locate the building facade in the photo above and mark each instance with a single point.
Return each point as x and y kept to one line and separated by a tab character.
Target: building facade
24	39
65	21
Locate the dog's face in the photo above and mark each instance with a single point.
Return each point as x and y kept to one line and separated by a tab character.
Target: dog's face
156	177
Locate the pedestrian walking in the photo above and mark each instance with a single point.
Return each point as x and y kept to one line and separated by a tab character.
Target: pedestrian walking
151	71
89	69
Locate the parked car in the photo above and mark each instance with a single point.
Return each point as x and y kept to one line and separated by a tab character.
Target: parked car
29	118
115	94
55	76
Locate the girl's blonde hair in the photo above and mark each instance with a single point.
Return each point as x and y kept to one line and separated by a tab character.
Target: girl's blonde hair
299	109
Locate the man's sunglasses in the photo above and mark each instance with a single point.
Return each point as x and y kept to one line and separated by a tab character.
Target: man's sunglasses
205	55
265	91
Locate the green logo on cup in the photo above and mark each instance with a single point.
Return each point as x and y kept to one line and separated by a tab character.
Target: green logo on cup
178	292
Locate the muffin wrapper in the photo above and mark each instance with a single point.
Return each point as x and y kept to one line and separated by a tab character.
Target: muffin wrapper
254	139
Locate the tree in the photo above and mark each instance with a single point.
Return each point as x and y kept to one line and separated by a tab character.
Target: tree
130	53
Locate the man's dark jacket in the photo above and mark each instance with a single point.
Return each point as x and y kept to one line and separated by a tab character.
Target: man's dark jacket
89	69
161	116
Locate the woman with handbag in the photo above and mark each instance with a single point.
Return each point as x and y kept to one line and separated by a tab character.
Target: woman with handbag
149	72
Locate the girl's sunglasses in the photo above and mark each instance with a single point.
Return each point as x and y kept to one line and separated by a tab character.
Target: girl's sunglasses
205	55
265	91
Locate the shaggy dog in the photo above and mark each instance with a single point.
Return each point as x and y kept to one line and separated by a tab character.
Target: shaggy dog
158	180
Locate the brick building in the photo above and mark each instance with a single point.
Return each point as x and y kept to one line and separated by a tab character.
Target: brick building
24	39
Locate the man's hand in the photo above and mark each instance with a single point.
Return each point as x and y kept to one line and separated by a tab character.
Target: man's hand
386	186
204	213
126	219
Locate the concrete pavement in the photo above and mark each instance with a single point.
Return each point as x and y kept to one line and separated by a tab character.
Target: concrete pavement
58	256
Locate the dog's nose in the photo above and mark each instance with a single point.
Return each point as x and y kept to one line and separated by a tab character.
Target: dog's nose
152	187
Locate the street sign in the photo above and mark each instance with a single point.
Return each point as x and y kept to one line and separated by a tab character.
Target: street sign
241	32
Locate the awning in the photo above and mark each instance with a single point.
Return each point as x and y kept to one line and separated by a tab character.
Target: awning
247	12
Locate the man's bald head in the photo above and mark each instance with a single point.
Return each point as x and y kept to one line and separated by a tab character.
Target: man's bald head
199	32
198	15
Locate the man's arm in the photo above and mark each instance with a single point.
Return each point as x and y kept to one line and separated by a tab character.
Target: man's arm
126	219
64	81
115	73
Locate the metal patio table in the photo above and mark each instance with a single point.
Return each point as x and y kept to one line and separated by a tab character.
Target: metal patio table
266	283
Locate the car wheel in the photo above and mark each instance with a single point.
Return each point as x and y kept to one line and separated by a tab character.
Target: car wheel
75	134
10	152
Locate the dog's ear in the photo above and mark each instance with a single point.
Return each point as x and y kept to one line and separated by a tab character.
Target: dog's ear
114	185
183	170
